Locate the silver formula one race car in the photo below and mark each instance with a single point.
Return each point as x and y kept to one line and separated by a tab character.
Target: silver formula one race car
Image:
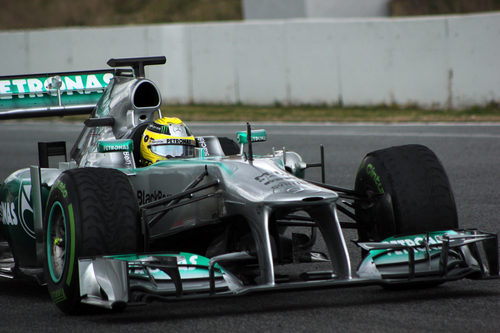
106	229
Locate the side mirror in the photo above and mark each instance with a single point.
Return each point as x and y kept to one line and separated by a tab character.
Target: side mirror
256	136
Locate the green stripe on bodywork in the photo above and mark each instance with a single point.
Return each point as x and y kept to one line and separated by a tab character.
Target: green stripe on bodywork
72	236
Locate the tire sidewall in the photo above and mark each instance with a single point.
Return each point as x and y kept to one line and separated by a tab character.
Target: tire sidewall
372	180
64	291
371	177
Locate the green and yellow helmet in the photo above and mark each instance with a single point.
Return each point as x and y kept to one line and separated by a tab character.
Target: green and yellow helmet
166	138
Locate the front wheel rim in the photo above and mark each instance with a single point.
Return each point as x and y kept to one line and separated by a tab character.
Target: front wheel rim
56	242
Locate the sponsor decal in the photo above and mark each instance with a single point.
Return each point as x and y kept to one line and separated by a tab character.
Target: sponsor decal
256	136
19	212
145	198
177	130
280	181
58	295
127	158
26	209
203	144
401	256
193	260
115	146
8	211
172	142
70	84
372	173
267	178
432	239
154	127
62	188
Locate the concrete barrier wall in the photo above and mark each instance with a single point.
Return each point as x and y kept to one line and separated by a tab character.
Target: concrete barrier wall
432	61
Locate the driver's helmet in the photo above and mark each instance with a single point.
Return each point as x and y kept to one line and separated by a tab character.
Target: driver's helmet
166	138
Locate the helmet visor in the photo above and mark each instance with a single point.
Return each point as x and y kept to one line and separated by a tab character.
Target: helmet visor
171	151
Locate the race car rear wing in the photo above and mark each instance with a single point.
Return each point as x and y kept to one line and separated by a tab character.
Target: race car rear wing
52	94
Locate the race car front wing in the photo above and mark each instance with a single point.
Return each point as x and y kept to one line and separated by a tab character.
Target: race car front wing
431	258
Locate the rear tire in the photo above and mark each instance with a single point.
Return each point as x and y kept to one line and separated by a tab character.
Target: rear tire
411	190
90	212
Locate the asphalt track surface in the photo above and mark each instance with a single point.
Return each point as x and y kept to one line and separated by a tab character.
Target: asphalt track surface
469	153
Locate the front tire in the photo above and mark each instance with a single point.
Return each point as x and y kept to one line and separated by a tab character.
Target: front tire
90	212
410	193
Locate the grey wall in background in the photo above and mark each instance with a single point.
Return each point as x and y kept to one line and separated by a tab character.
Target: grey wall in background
431	61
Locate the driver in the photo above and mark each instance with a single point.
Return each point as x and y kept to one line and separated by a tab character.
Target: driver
166	138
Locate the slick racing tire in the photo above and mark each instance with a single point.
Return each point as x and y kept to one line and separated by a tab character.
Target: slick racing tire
409	193
89	212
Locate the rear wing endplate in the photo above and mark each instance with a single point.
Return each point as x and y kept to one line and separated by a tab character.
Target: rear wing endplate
52	94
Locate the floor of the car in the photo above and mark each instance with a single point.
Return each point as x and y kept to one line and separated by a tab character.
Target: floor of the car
6	260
